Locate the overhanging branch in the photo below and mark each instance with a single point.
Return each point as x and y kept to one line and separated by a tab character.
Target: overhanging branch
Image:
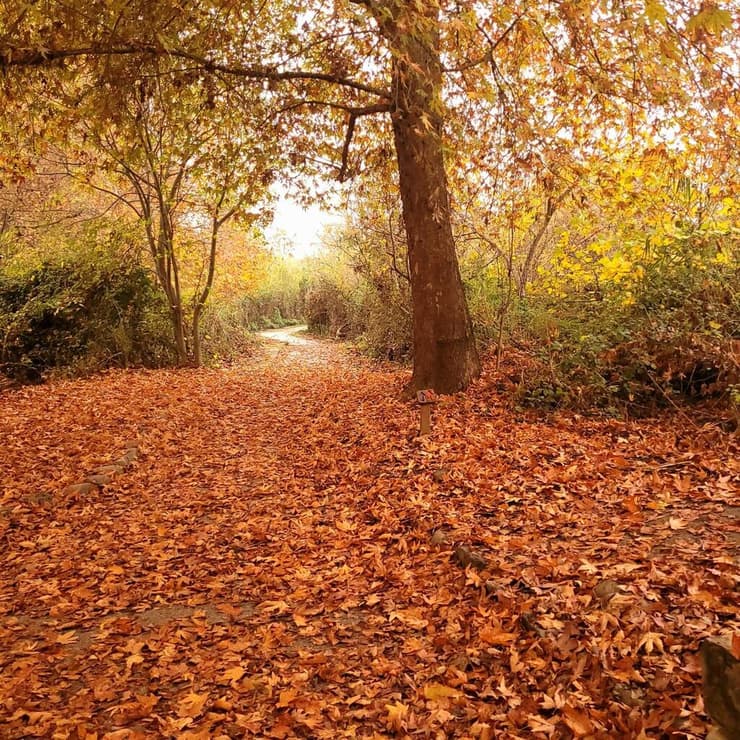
18	57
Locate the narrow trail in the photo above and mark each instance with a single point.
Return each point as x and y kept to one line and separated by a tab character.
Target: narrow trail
289	335
268	567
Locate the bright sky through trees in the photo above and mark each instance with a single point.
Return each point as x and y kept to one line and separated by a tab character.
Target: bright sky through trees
297	229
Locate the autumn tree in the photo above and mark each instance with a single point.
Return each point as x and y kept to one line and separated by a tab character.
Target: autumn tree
169	149
444	347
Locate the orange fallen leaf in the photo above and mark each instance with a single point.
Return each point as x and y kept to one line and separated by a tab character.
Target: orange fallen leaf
133	660
397	713
651	642
410	617
437	691
251	683
223	704
287	697
132	711
230	610
578	722
481	731
232	674
630	503
202	734
539	724
495	636
192	705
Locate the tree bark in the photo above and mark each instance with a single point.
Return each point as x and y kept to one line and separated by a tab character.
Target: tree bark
197	350
180	335
216	223
445	354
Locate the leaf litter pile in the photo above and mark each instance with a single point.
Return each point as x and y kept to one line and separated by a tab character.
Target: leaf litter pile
287	558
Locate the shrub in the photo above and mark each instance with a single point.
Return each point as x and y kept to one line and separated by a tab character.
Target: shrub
80	315
671	331
226	332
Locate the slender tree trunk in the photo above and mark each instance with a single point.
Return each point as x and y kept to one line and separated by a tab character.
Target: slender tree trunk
506	302
445	355
197	349
216	224
164	256
178	326
159	250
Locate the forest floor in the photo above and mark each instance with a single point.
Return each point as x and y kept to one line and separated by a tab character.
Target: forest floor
278	562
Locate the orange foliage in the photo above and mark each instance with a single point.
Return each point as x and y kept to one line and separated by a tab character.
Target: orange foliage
266	567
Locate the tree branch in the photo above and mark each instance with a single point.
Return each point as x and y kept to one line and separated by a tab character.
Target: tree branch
493	44
354	114
17	57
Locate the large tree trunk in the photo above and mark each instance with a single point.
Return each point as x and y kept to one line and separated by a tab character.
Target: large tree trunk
445	355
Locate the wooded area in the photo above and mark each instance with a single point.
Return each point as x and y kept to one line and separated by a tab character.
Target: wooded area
212	533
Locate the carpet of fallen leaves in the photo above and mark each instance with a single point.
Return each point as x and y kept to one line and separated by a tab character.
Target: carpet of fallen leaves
278	562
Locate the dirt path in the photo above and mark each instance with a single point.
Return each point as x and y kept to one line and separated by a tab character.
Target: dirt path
288	335
267	568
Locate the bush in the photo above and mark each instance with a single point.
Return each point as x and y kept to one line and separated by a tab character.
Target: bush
367	307
670	333
226	332
80	315
276	299
330	308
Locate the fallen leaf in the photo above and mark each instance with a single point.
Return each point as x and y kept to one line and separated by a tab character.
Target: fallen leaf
397	713
232	674
494	636
287	697
436	691
578	722
191	706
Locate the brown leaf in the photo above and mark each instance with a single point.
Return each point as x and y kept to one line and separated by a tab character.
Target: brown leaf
495	636
437	692
578	721
191	706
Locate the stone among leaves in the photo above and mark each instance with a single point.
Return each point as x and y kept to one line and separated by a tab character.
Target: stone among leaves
465	557
605	591
104	474
79	489
720	657
100	480
111	470
440	538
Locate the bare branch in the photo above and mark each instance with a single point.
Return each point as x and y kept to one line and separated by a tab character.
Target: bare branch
354	114
492	46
